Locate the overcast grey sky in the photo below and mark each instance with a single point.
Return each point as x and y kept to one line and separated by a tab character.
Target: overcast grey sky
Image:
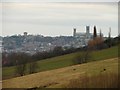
54	19
59	0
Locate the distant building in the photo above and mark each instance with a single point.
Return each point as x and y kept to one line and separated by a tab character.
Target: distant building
84	37
74	32
25	33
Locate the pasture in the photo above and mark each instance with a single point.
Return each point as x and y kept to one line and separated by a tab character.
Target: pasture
59	78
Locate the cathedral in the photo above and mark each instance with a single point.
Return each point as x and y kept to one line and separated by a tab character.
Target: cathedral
83	38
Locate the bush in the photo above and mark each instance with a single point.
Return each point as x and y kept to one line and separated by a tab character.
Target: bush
82	57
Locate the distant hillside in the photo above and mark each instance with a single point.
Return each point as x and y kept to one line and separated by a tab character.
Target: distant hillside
35	43
65	60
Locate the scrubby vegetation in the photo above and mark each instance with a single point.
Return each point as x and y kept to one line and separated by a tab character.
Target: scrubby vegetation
103	80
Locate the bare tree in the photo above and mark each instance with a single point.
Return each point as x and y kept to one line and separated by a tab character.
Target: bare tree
83	57
32	67
21	62
20	69
96	43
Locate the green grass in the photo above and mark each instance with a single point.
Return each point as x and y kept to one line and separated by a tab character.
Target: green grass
63	61
105	54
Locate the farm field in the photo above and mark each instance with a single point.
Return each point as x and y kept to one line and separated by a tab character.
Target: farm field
63	61
59	78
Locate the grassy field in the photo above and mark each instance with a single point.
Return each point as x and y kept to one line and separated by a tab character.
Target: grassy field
63	61
103	80
59	78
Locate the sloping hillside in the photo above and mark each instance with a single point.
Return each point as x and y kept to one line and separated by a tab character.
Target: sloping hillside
63	61
61	77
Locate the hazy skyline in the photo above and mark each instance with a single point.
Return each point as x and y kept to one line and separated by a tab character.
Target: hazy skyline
54	19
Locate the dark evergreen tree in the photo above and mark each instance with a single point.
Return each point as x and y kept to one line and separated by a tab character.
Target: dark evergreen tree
94	33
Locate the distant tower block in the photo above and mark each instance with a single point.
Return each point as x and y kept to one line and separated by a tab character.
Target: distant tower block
87	29
25	33
74	32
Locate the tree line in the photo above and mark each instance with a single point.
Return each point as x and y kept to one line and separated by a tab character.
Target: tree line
9	59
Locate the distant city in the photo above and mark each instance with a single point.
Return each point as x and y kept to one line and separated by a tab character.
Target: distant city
38	43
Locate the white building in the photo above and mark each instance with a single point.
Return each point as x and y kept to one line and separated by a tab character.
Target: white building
82	37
